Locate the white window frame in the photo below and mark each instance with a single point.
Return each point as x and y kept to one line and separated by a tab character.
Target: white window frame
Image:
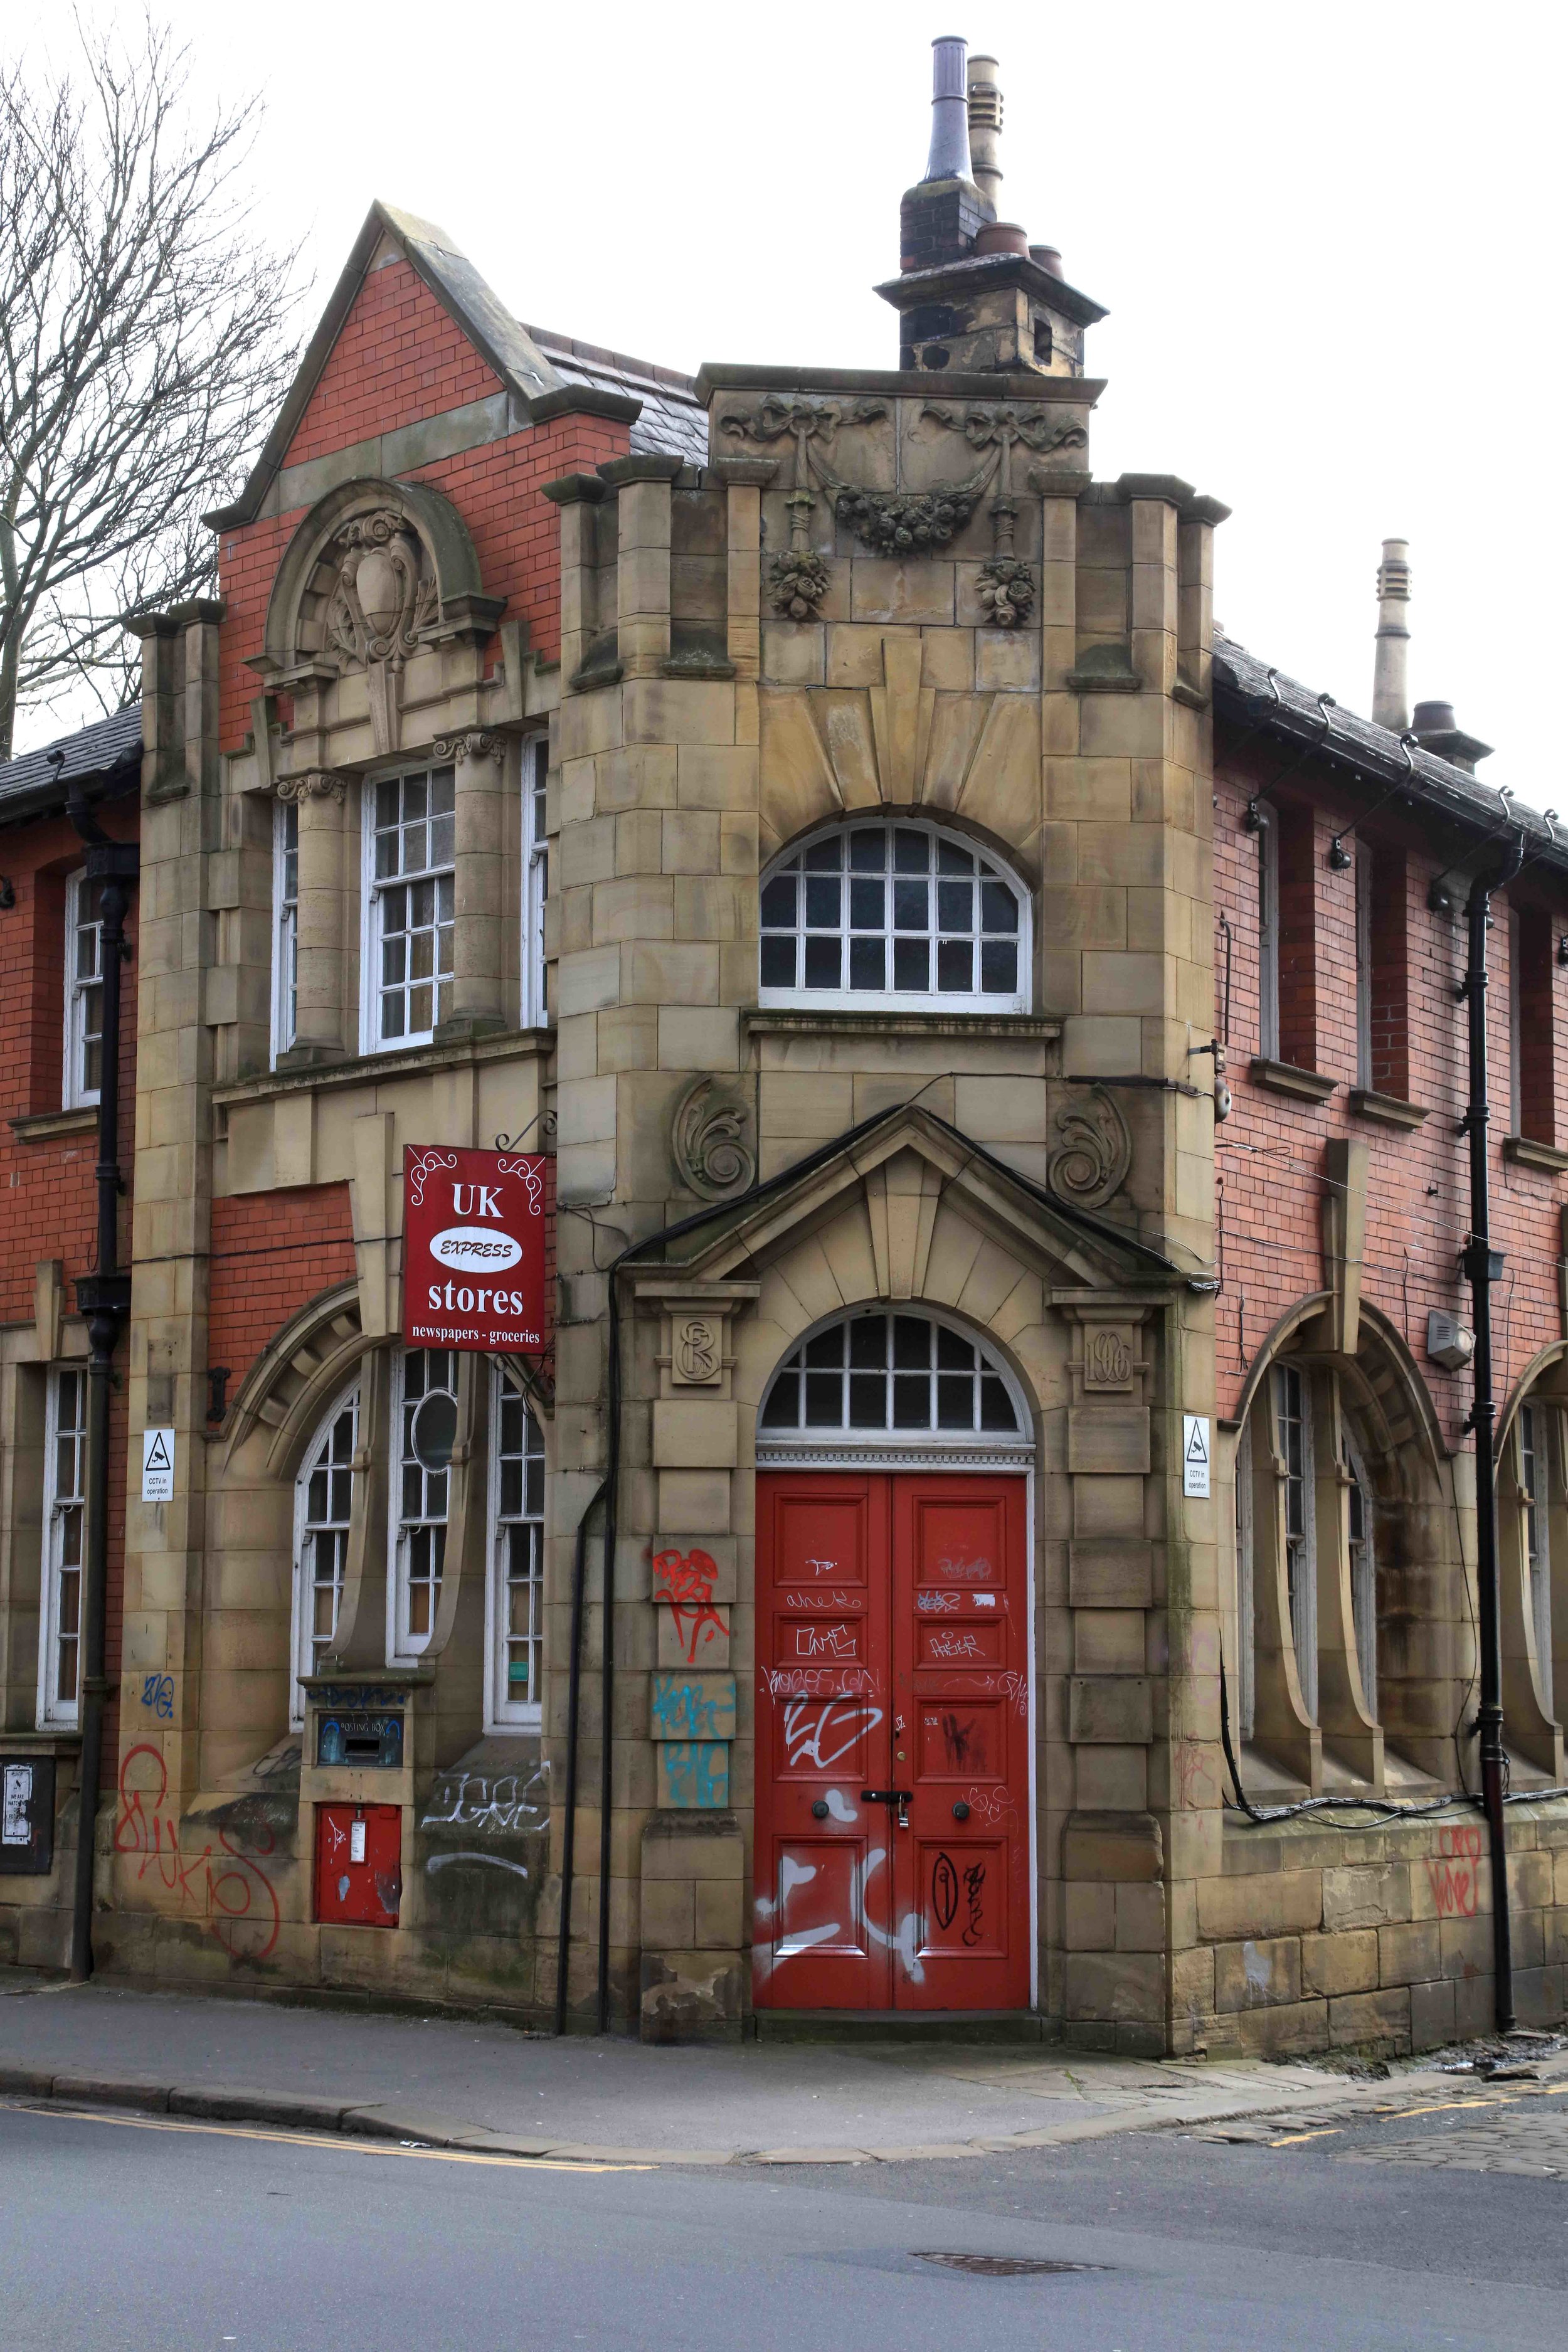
403	1645
503	1712
822	1444
52	1709
371	888
303	1631
76	1094
535	1011
1267	935
285	930
1364	991
866	1000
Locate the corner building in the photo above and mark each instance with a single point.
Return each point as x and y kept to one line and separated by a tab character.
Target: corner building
790	799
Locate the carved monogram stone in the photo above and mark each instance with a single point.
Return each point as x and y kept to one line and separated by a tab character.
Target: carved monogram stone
1107	1358
1091	1161
696	1355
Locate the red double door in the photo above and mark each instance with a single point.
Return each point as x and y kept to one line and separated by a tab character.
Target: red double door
892	1813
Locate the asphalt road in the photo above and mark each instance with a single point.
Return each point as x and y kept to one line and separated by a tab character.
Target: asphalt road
156	2237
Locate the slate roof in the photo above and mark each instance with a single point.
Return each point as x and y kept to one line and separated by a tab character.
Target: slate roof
108	748
673	420
1258	699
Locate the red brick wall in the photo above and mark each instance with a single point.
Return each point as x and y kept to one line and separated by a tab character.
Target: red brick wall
1270	1150
49	1207
400	358
272	1252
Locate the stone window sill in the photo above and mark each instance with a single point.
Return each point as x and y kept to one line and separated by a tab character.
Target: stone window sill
1388	1110
505	1046
43	1126
802	1022
1285	1078
1525	1153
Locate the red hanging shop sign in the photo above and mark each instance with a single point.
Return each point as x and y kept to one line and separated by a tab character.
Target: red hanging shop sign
473	1249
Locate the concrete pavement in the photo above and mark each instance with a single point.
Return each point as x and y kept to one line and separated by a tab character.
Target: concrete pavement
448	2083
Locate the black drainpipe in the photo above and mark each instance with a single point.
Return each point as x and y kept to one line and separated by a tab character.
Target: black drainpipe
1482	1266
104	1297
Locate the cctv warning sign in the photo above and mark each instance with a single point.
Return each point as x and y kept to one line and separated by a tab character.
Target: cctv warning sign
473	1249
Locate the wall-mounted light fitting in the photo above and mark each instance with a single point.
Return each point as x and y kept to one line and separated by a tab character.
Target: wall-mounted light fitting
8	895
1340	857
1441	899
1252	816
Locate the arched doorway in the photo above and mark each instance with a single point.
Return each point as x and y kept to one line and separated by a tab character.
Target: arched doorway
894	1643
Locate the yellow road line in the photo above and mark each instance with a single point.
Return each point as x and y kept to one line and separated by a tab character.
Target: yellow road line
316	2139
1294	2140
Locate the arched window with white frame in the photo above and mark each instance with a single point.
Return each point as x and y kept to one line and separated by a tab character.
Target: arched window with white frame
322	1498
891	1379
515	1636
897	913
424	1429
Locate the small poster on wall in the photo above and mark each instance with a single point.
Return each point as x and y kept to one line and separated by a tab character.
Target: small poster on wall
473	1249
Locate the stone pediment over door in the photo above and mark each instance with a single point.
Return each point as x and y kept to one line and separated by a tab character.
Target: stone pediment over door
898	1177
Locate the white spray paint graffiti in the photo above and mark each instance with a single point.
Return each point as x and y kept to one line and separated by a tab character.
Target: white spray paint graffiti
821	1735
499	1807
904	1941
839	1809
484	1861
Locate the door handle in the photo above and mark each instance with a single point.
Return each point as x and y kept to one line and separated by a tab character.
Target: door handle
900	1798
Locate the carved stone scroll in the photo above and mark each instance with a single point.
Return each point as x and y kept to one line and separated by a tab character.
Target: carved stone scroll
1091	1161
708	1143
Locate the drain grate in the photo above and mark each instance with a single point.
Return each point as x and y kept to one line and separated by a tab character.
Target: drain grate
1004	2265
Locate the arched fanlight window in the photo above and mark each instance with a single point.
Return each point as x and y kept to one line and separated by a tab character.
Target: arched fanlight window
880	1376
894	913
322	1499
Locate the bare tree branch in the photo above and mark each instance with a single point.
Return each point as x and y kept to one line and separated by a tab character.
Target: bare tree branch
146	340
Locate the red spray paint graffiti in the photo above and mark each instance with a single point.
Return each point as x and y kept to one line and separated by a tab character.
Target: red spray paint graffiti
686	1582
1452	1876
229	1884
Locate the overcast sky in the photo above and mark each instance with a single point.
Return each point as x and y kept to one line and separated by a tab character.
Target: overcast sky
1328	239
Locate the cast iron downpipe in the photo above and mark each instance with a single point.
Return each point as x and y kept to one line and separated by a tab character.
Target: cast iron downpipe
1480	1267
104	1297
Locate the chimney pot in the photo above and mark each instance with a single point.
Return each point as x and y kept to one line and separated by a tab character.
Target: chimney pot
1002	237
949	158
1390	676
1434	719
1048	258
986	128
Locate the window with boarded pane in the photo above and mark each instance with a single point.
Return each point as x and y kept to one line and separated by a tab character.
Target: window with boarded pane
322	1537
65	1514
84	990
884	1374
904	915
517	1552
410	896
425	1426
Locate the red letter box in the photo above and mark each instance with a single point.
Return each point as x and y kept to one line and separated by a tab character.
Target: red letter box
359	1863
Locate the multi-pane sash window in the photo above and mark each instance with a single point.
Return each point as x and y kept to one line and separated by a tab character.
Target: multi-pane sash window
286	910
411	900
898	914
425	1426
84	990
1533	1439
518	1553
1293	1439
883	1374
65	1514
325	1492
